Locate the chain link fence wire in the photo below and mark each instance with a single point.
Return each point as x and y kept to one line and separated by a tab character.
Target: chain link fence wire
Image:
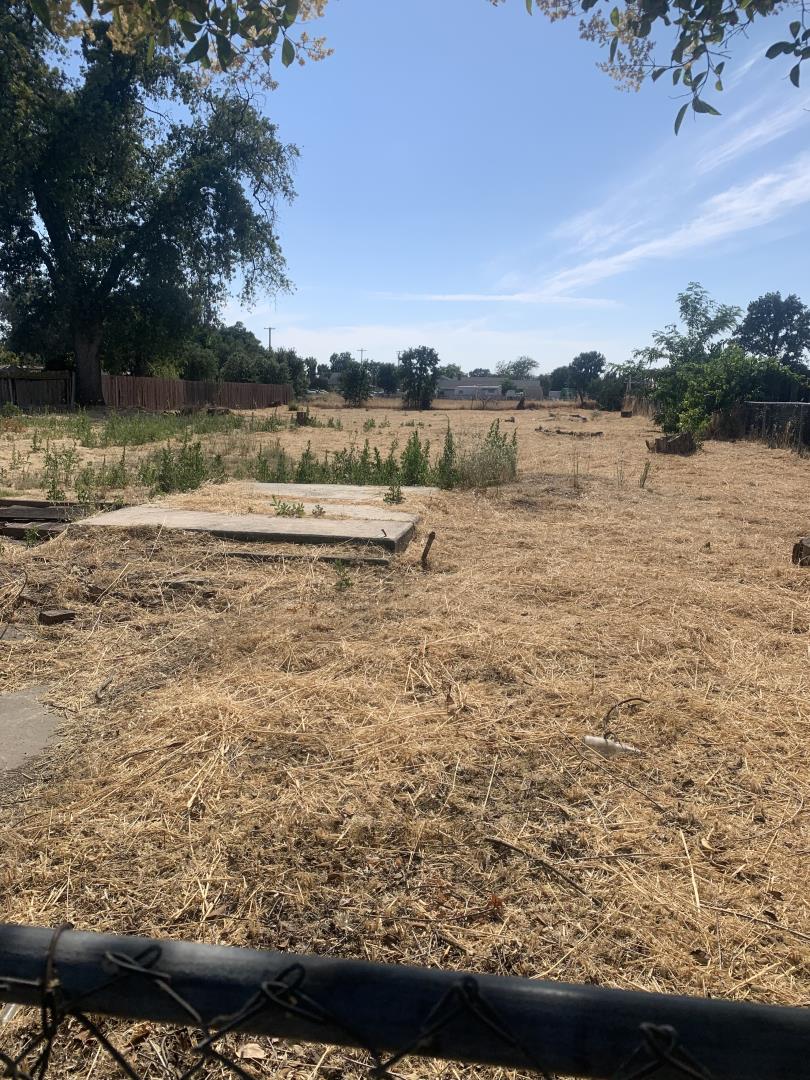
388	1012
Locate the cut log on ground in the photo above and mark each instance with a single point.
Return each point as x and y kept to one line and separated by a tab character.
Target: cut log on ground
683	443
801	551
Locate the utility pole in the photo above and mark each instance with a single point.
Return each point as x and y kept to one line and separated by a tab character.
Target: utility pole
361	351
270	330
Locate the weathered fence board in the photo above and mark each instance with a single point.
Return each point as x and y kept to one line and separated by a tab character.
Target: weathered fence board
156	395
777	423
36	389
54	390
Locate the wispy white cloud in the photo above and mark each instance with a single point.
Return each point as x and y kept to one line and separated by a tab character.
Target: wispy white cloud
740	71
750	136
736	210
645	197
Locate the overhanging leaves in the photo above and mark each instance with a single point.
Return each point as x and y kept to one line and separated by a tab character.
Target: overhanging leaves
198	51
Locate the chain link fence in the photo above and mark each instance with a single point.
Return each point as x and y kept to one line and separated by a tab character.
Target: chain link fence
387	1012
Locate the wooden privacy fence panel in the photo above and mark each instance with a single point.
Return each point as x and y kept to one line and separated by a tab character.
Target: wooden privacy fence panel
778	423
157	395
36	389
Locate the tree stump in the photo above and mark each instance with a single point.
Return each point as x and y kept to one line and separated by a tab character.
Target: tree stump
683	443
801	552
626	414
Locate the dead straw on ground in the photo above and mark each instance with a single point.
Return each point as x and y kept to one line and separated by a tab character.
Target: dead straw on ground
388	764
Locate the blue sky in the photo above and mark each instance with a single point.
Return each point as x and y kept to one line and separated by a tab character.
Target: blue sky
470	180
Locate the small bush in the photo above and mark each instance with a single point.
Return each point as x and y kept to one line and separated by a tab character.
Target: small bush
489	461
394	494
270	466
447	466
57	471
415	462
180	468
288	509
94	481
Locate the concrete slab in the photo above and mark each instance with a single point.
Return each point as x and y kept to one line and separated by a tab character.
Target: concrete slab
26	725
12	632
362	512
347	493
391	535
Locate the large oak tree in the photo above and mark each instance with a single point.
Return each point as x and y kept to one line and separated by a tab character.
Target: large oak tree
130	177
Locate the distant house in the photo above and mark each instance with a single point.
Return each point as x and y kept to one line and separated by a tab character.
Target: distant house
487	387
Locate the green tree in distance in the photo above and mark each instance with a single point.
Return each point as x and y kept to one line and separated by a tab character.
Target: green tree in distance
585	369
778	328
293	367
355	383
450	371
418	376
339	361
101	192
388	378
480	373
521	368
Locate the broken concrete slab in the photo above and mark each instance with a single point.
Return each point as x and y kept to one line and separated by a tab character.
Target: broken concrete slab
26	725
12	632
389	534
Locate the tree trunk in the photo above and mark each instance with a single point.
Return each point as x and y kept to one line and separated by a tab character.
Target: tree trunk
86	346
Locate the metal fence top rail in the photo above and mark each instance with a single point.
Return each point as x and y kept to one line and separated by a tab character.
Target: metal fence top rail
792	404
390	1011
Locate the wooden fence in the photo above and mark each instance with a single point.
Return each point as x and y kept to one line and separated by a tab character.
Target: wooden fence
777	423
157	395
31	389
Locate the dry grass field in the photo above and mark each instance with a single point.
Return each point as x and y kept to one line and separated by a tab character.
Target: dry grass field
388	763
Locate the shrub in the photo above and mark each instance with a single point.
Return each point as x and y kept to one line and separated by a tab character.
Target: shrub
415	462
355	383
180	468
447	465
728	377
94	481
488	461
